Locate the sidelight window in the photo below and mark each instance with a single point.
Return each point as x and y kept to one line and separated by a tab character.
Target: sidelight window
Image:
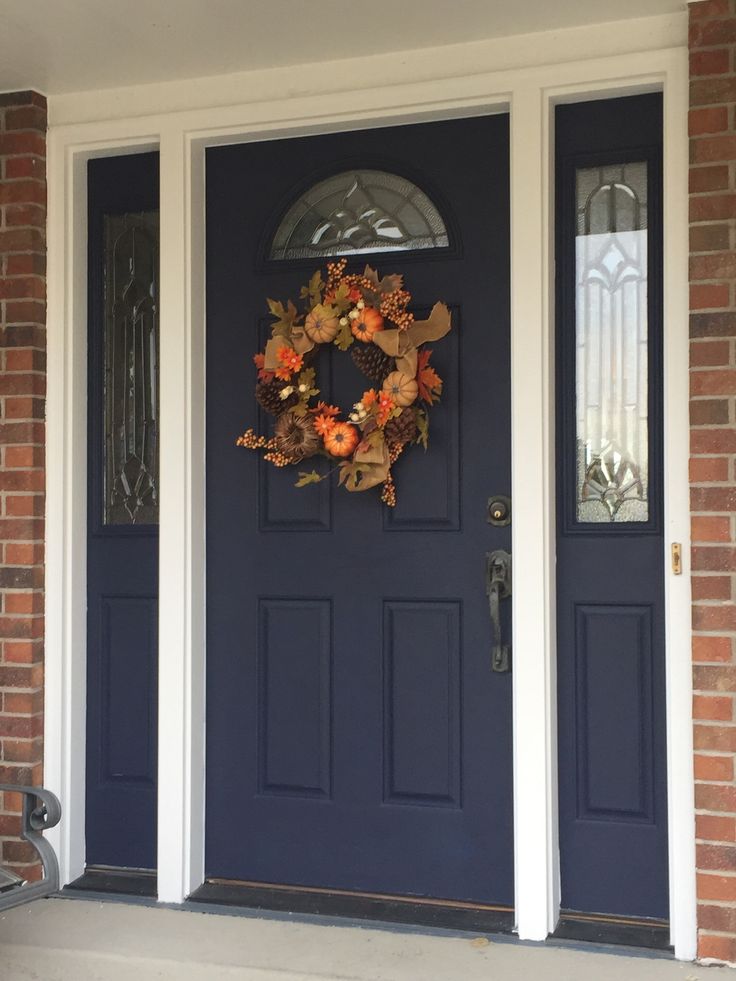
611	353
131	356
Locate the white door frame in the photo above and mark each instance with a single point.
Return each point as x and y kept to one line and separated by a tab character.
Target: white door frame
601	64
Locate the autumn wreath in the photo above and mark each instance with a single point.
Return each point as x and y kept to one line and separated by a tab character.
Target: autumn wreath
368	439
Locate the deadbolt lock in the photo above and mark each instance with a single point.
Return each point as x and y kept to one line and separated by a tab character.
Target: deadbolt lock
499	510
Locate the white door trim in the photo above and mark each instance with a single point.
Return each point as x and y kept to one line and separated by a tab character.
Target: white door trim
530	93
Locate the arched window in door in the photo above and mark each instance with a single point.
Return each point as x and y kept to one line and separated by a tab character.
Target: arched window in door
359	211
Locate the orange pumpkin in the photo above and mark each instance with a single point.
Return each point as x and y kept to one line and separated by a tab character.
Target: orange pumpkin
321	326
368	322
402	388
341	439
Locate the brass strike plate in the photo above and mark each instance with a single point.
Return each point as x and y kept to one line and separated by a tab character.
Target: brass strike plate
676	559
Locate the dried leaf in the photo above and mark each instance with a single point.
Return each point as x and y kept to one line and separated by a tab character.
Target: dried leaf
312	477
286	317
344	337
386	285
350	474
341	299
313	291
372	438
429	382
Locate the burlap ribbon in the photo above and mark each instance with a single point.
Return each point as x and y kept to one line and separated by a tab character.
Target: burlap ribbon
374	465
403	344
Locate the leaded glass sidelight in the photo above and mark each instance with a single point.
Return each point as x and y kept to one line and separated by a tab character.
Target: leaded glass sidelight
611	360
359	211
131	369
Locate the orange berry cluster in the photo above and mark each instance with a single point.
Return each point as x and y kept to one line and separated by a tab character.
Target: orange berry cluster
253	442
393	307
360	282
335	271
278	459
388	494
274	455
395	451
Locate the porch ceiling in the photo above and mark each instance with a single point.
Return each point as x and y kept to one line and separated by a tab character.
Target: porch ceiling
61	46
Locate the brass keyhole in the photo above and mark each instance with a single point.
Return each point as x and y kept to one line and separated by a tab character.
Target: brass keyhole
499	510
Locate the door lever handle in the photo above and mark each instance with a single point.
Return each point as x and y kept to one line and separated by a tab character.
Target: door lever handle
498	587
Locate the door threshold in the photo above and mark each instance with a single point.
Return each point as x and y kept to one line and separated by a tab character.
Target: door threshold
627	931
117	881
412	910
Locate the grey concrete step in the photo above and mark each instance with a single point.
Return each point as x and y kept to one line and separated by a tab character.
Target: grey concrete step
85	940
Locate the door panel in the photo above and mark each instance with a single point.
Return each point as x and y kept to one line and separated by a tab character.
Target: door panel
122	508
610	548
354	724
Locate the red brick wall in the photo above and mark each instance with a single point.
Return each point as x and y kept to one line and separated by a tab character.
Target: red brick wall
712	466
22	394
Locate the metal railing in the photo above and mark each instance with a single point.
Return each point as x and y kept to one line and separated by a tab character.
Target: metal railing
41	811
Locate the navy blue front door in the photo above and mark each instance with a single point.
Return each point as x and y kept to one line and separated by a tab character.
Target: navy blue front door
357	737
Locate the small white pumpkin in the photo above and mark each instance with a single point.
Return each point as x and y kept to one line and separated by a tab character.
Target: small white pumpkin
321	326
402	388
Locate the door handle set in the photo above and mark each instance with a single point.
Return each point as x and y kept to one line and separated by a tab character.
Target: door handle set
498	587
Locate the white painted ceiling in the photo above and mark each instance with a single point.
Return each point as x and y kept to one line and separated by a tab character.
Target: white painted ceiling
73	45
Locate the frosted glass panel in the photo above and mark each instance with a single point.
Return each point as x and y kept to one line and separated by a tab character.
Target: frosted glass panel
131	369
611	362
359	211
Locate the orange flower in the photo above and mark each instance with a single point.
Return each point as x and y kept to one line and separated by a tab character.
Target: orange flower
289	359
324	424
260	363
369	398
385	407
322	408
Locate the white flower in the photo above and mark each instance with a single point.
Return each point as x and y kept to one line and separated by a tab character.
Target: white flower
360	304
343	321
353	315
354	417
286	392
359	407
303	388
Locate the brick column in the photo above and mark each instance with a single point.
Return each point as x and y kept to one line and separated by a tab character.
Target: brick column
22	394
713	455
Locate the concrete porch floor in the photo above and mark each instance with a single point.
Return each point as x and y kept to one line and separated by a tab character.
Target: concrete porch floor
86	940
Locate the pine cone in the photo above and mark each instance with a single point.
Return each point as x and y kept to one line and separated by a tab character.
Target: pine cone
372	361
403	429
268	396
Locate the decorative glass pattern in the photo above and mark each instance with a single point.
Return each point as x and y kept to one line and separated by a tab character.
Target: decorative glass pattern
611	362
131	369
359	211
